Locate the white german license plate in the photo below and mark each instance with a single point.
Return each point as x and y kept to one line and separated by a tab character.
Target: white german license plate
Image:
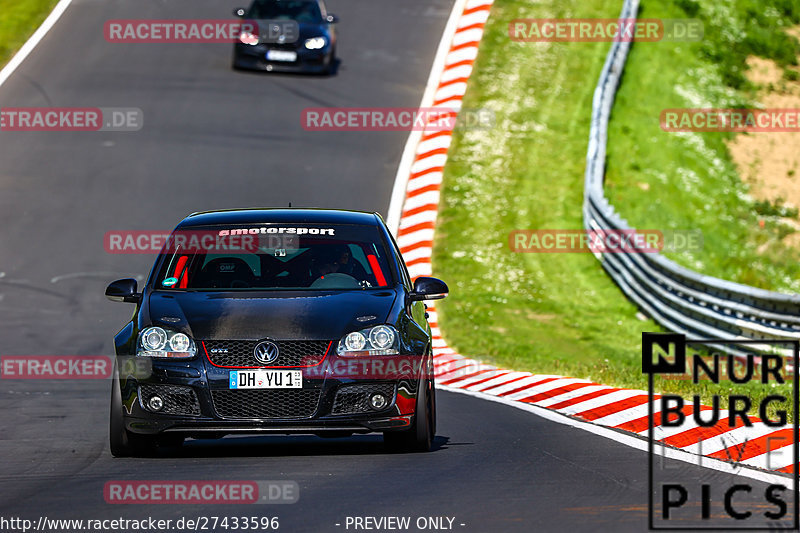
265	379
281	55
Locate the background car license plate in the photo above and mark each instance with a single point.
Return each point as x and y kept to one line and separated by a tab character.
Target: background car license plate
265	379
281	55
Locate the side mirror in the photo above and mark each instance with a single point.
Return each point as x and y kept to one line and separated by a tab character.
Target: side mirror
123	290
428	289
239	12
332	19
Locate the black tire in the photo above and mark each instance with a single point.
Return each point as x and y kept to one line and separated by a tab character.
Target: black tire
235	63
419	437
123	443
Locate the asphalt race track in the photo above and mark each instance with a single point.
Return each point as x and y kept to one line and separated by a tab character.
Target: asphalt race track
215	138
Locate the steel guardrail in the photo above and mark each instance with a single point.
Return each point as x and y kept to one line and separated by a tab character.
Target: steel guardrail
679	299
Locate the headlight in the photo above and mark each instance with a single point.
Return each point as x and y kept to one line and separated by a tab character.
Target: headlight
380	340
354	342
381	337
248	38
158	342
154	339
315	43
180	343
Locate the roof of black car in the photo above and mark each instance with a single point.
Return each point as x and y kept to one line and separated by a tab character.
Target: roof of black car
278	216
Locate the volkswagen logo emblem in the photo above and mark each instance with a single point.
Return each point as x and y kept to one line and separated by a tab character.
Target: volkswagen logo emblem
266	352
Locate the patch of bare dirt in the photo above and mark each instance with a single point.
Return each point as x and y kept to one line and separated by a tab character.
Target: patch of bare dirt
770	161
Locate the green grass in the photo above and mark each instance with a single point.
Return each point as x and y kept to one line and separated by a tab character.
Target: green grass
542	312
663	180
545	313
18	20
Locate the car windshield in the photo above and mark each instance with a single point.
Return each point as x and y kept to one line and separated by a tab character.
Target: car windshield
298	10
272	256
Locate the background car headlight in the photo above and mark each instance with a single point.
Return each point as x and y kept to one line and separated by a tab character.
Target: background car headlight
315	43
248	38
159	342
379	340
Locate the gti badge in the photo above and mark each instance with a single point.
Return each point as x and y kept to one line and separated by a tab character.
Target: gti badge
266	352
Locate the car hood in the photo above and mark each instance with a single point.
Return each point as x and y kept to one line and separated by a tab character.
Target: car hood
311	29
280	315
306	30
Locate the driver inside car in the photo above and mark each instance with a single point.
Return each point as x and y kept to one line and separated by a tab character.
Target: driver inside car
324	263
347	265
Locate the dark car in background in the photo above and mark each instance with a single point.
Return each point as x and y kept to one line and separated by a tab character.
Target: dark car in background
291	36
275	321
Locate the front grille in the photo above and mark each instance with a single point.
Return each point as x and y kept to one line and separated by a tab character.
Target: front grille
240	353
177	400
284	46
273	403
352	399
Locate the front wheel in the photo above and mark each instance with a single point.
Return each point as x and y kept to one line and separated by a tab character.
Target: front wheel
124	443
419	437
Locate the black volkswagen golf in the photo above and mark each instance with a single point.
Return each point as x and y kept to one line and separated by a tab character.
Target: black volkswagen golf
275	321
292	36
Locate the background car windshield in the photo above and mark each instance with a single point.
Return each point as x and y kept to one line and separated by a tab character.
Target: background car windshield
275	257
299	10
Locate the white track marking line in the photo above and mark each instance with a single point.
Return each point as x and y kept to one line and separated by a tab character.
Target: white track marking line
34	40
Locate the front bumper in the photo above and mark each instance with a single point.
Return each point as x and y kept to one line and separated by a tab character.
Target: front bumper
250	57
198	402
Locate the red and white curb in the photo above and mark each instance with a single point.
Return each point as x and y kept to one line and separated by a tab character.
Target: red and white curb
416	199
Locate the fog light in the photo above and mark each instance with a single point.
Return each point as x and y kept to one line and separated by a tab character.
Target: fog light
155	403
378	401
